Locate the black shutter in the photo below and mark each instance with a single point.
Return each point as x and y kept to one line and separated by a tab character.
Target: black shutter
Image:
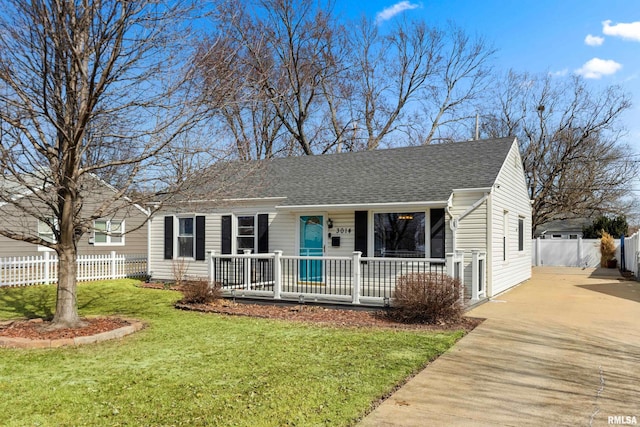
263	233
168	237
200	238
360	231
226	235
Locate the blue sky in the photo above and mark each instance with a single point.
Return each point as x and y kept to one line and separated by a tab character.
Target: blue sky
599	39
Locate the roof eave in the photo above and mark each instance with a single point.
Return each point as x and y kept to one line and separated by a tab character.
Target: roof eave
363	206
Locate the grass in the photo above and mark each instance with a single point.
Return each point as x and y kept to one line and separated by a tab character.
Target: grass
190	368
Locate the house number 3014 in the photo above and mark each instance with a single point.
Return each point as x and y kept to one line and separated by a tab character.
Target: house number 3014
342	230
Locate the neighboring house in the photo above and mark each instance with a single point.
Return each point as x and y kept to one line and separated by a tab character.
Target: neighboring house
125	232
413	202
562	229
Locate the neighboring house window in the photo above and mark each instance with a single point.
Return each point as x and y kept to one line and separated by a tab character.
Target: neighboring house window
108	232
246	234
186	240
573	236
45	232
399	235
520	234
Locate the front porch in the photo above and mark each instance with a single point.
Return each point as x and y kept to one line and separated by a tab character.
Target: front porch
356	280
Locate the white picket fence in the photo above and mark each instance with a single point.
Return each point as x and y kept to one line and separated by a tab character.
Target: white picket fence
33	270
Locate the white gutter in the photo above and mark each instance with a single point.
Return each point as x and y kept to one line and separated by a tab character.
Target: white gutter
367	206
472	190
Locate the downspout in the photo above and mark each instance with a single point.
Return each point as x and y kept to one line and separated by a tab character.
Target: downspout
453	222
489	259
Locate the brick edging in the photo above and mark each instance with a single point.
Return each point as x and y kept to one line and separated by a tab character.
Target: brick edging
10	342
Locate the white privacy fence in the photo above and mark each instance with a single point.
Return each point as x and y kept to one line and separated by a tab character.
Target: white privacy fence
630	248
566	252
32	270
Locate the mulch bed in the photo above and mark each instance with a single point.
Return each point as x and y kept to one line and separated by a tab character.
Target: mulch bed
38	329
341	317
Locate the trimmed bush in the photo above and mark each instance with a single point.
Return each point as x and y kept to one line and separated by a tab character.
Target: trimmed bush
200	292
427	298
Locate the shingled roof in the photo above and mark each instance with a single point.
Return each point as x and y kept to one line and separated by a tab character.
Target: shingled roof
398	175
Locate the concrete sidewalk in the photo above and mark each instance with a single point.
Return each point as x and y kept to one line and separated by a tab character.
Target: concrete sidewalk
561	349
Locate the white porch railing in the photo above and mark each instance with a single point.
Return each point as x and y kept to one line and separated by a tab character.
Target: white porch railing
347	280
33	270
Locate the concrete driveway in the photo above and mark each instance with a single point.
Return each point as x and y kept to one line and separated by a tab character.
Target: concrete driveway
560	349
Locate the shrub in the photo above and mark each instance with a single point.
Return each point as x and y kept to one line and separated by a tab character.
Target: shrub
200	292
615	226
427	298
607	248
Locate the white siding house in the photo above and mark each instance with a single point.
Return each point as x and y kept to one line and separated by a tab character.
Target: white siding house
414	203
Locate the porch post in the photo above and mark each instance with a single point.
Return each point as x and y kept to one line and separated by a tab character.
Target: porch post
277	274
450	264
210	267
247	269
475	267
355	270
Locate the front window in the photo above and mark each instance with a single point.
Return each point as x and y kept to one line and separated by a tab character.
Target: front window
108	232
185	237
399	235
246	234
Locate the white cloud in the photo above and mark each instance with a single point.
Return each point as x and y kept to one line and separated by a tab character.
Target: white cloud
596	68
628	31
560	73
593	40
394	10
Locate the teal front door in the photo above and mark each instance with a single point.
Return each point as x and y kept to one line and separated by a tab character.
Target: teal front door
311	244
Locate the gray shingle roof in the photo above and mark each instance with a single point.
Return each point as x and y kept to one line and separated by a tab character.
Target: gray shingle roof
398	175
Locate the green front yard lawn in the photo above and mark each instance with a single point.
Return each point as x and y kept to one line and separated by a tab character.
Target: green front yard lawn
190	368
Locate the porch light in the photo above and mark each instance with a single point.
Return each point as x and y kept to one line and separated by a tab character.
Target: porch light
405	216
330	223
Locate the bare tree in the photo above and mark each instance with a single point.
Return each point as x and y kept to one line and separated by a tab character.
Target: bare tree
283	50
314	86
389	72
87	89
463	78
416	79
570	142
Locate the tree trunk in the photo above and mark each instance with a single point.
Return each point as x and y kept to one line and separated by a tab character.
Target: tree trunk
66	315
